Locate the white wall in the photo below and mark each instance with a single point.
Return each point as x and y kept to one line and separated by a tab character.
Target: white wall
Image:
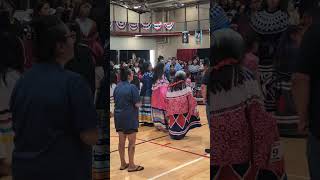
166	50
132	43
174	43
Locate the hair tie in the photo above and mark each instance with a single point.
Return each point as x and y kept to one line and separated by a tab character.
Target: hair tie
176	83
225	63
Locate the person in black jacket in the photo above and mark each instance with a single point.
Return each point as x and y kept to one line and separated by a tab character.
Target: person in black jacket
82	63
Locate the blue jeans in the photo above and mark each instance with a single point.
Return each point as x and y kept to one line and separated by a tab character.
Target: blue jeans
313	153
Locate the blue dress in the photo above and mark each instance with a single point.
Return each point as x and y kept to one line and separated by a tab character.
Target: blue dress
146	92
50	108
126	114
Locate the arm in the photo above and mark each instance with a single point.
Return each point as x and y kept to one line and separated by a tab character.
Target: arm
301	95
83	111
136	97
301	79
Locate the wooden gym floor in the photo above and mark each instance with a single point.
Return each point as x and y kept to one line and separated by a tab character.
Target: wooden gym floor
164	158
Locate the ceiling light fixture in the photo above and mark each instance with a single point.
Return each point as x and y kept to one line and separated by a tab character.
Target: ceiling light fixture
136	7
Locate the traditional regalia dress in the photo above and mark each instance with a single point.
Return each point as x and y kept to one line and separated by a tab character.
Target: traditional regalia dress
100	150
269	27
6	131
145	94
181	110
244	137
286	113
158	103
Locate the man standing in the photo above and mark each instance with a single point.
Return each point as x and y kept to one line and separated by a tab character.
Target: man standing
306	88
177	66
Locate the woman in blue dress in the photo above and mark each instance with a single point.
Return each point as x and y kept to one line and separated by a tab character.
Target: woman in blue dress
127	103
145	94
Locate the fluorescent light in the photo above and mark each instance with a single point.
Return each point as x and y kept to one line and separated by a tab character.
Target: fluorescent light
137	35
136	7
182	4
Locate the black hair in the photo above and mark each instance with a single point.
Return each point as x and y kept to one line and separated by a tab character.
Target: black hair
283	50
12	54
4	20
145	67
49	31
226	44
158	72
75	27
38	6
124	73
249	40
160	58
283	5
77	8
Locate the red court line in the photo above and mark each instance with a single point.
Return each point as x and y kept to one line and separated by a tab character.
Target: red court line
166	145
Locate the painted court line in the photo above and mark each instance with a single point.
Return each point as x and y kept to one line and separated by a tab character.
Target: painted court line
143	141
205	156
174	169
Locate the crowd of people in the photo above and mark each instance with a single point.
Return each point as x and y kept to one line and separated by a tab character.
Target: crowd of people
262	85
53	91
163	97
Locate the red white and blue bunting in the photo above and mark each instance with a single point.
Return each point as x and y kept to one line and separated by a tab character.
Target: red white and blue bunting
157	26
121	25
168	25
146	26
133	26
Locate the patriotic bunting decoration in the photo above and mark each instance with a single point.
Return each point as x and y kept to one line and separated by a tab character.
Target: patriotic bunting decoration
168	25
157	26
146	26
133	26
121	25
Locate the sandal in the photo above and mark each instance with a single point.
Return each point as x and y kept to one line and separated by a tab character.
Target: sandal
125	167
138	168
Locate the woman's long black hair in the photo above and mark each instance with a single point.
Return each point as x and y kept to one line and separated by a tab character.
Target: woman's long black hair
158	72
226	44
145	67
284	47
11	53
